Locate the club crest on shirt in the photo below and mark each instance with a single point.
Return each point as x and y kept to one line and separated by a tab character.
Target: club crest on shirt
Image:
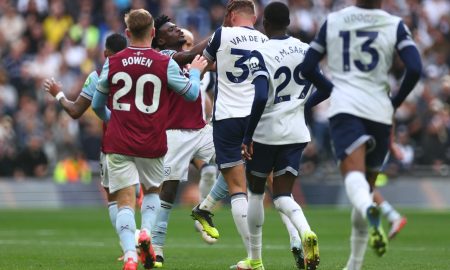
167	171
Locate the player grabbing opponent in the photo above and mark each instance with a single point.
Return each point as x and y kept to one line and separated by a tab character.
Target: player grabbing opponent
136	81
188	136
230	47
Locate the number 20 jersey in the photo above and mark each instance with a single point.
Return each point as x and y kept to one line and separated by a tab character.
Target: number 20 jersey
230	47
283	120
138	95
360	44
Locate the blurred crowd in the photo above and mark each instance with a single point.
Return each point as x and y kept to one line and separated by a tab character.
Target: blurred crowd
64	39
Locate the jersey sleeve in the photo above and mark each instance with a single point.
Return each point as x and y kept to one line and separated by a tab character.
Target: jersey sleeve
169	53
404	38
319	44
187	87
89	86
103	84
211	49
257	65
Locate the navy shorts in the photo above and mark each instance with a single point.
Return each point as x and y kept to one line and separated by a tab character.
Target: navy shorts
277	158
228	135
348	132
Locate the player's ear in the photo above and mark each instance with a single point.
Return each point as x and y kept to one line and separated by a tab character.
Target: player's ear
152	32
128	33
253	19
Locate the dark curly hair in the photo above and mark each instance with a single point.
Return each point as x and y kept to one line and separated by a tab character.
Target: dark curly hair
159	21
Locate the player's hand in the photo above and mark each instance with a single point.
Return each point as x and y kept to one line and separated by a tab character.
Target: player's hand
199	63
396	151
53	87
393	146
247	151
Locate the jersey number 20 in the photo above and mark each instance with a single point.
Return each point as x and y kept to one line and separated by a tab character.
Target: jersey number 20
139	96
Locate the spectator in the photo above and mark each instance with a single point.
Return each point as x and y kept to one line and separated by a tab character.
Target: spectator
57	23
31	161
12	25
194	18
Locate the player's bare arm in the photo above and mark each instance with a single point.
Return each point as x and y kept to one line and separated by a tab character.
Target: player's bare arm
74	108
185	57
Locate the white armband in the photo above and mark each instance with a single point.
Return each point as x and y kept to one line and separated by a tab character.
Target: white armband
59	96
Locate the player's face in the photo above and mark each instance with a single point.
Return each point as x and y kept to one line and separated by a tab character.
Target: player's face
172	35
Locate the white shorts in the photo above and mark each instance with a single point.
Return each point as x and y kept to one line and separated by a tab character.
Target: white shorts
184	145
103	171
124	171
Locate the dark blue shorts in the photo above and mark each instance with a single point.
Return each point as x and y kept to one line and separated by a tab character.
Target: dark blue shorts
277	158
348	132
228	135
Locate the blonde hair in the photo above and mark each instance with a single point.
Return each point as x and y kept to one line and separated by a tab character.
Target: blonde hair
245	6
139	22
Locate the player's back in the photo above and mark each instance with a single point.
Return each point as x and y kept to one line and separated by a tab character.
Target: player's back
234	92
360	46
139	103
282	121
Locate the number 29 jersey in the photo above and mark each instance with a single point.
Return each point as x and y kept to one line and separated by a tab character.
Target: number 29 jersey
283	119
230	48
360	44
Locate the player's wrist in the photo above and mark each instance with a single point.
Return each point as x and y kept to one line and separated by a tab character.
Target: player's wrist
60	95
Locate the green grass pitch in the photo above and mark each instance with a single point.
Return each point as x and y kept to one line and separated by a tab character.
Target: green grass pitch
81	239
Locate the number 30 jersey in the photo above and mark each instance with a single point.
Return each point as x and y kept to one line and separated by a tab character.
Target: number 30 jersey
360	44
230	48
283	120
136	81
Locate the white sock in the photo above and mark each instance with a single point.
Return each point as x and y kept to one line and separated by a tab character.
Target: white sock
130	254
294	237
208	203
149	211
255	220
389	211
239	206
158	250
208	176
290	208
358	241
358	191
125	228
112	210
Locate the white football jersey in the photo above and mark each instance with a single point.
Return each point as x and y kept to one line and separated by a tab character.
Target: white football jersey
230	48
360	44
283	120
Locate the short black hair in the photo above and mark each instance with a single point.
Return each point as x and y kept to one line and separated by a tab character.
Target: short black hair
159	21
116	42
277	14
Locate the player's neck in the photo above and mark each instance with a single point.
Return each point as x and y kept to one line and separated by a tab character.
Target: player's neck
140	43
243	22
175	48
369	4
276	33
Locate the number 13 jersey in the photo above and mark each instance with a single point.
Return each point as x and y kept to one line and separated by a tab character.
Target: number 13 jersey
360	44
230	48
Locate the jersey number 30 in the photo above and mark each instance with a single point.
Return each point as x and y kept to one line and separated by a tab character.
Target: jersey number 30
139	97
